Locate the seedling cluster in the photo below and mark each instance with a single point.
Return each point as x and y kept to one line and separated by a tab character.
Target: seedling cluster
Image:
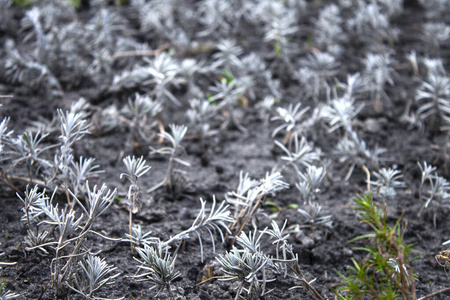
280	110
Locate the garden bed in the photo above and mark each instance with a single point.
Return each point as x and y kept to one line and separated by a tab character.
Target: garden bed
166	54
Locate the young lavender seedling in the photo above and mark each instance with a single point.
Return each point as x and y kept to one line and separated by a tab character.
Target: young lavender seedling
250	193
215	16
327	29
199	113
228	55
433	97
350	149
178	133
73	128
140	117
293	119
163	70
93	274
309	184
228	92
7	295
371	25
279	30
215	221
378	73
387	181
80	172
28	149
303	154
69	232
135	169
244	266
313	218
435	35
319	68
159	266
438	188
156	258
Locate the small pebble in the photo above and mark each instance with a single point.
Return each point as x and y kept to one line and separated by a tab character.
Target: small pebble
307	242
347	252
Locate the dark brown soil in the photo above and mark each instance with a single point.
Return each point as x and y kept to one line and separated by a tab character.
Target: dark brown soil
321	252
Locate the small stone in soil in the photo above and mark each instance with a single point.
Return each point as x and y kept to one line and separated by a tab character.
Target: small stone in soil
307	242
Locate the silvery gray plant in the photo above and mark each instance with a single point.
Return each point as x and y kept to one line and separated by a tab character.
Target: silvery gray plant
5	137
200	114
378	71
8	295
299	154
158	76
354	152
253	65
159	268
227	56
159	264
435	35
434	187
351	149
247	268
313	217
216	221
328	32
278	33
354	88
190	70
371	25
92	274
24	70
140	238
251	268
175	151
435	8
156	18
309	183
73	127
433	97
215	17
316	71
296	121
140	117
250	194
136	167
104	26
162	72
27	148
387	181
228	92
67	241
